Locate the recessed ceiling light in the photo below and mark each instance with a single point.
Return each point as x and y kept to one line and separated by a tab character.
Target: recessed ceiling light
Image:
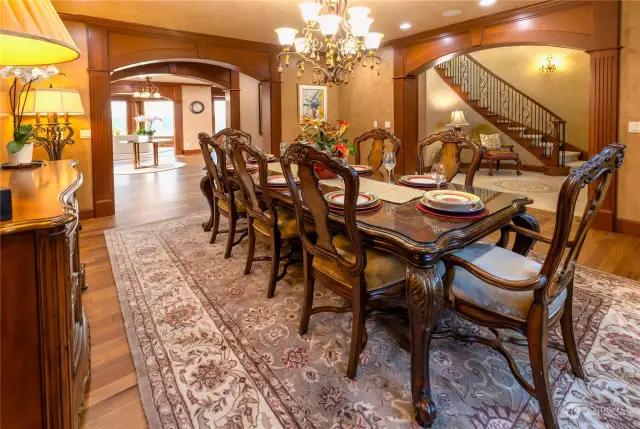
486	3
405	26
453	12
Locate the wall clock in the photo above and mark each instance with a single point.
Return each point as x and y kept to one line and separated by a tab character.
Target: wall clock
196	107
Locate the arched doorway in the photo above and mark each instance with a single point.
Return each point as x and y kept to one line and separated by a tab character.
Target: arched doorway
591	26
115	49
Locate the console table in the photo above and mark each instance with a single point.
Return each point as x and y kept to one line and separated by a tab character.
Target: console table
44	333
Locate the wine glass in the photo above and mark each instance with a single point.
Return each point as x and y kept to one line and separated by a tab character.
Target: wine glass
439	173
389	162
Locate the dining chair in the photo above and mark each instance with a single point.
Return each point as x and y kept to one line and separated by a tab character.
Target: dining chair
499	289
274	223
226	199
452	144
379	137
339	261
226	133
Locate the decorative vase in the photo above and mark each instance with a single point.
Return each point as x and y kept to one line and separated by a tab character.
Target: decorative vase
144	138
23	156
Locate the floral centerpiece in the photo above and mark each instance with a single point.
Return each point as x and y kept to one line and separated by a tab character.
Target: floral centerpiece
145	127
326	137
21	147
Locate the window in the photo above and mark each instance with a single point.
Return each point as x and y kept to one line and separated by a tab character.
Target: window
119	118
163	109
220	113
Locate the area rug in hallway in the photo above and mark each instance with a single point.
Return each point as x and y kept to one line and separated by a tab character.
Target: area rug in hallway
211	351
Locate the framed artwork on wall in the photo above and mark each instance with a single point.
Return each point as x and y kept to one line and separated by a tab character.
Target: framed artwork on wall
312	101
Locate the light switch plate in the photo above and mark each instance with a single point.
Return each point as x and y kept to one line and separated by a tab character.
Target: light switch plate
634	127
85	134
375	124
387	125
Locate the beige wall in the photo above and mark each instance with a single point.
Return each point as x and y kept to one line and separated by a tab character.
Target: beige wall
566	93
76	77
193	124
249	109
629	176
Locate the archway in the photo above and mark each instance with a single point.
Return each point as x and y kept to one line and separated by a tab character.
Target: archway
591	26
115	48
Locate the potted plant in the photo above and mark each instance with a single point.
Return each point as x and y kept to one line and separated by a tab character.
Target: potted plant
145	131
20	149
326	137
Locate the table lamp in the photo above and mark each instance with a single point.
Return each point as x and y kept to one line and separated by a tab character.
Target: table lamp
457	120
53	102
32	33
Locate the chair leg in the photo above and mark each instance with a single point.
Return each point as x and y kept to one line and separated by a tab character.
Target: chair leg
307	302
568	335
252	246
359	305
518	166
490	168
233	219
498	165
537	338
276	245
216	221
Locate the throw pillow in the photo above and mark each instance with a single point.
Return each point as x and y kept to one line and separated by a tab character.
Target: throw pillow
491	141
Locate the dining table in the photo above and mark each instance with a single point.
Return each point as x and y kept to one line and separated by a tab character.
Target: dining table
421	240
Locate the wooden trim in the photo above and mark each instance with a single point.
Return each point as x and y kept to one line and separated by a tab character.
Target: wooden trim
217	75
85	214
234	100
625	226
191	151
178	126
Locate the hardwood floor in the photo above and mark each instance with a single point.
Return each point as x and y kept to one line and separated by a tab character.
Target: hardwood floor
113	401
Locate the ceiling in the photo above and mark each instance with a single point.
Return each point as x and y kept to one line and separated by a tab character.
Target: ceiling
256	19
167	78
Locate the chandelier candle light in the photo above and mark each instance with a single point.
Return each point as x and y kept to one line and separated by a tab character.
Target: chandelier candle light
147	90
328	33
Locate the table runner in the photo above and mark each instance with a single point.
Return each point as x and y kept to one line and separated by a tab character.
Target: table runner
385	191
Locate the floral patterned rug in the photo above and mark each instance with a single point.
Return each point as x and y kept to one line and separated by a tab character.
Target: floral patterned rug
211	351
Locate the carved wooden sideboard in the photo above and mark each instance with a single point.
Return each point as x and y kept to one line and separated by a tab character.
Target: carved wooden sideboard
44	333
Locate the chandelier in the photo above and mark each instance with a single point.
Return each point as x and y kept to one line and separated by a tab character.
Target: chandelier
549	68
147	90
331	44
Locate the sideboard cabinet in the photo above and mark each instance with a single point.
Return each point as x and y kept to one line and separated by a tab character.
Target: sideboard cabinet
44	333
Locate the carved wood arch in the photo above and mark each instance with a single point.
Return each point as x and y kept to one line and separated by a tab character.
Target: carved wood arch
114	46
219	76
591	26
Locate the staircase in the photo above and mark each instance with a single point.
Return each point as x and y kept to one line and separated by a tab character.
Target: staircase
527	122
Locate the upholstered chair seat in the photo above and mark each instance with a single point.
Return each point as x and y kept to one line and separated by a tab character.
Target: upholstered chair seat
287	224
501	154
384	272
240	208
507	265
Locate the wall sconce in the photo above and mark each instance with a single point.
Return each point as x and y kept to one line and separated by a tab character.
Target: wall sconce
54	135
549	67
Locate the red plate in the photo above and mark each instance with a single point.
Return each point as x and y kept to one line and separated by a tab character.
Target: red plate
279	181
362	169
473	216
420	181
250	168
370	209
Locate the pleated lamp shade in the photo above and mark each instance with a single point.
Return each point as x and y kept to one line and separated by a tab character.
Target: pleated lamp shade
32	33
53	100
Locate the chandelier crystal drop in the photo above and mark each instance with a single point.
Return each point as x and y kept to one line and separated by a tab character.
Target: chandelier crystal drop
332	43
147	90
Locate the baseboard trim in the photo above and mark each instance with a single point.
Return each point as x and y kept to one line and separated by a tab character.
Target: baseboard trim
628	227
190	151
86	214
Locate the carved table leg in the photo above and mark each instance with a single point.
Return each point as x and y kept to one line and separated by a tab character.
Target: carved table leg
205	187
425	300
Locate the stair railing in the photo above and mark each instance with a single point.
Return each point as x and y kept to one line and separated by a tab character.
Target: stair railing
511	106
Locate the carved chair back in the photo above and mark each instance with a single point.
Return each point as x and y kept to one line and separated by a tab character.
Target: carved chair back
240	151
379	136
224	134
305	156
559	265
215	162
452	144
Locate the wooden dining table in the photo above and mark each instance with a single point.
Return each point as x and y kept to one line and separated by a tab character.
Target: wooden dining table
421	240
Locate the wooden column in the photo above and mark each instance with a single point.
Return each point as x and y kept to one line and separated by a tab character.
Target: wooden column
178	138
101	134
603	97
272	107
234	100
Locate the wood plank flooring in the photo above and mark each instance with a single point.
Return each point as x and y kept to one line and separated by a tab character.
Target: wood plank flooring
112	400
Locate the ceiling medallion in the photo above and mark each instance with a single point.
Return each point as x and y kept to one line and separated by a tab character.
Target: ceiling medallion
147	90
332	44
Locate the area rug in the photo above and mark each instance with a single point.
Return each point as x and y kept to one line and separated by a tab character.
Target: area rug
211	351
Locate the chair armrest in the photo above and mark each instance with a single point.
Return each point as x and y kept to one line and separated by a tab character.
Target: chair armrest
532	234
507	146
533	283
